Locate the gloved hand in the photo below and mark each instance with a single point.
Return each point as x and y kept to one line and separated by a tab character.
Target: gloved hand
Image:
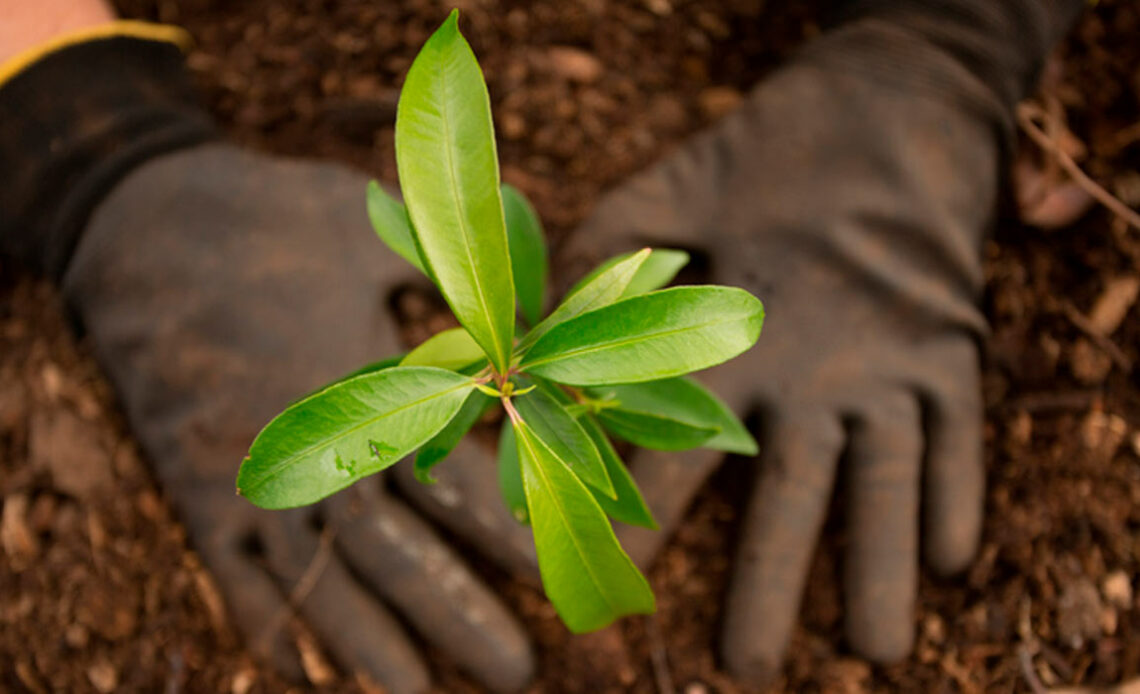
216	286
850	192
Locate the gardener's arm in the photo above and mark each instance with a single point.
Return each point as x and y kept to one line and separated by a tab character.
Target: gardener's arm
216	285
851	192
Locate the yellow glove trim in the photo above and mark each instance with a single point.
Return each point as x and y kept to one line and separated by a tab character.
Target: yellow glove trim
128	28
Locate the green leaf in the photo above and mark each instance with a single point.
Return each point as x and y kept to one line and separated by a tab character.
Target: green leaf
449	176
390	221
353	429
451	349
649	337
650	430
658	414
629	506
440	445
604	289
658	270
586	574
529	263
565	438
510	475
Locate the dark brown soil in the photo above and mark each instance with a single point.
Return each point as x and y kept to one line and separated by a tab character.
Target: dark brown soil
98	590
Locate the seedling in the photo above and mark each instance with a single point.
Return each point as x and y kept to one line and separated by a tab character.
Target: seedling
610	359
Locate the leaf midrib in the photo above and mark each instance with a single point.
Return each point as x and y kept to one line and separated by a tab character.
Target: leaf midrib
292	460
590	466
670	421
541	330
457	197
595	583
643	337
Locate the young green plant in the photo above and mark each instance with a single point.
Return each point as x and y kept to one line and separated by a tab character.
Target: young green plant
610	359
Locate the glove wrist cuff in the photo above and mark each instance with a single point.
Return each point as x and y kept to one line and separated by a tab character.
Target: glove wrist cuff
80	112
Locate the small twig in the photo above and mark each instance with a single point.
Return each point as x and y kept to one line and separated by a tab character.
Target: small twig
316	567
1110	348
1054	126
302	588
1026	113
658	657
1028	672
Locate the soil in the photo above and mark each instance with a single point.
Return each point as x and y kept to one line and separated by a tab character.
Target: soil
100	592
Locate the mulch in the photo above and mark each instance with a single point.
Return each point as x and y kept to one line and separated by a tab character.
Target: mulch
99	590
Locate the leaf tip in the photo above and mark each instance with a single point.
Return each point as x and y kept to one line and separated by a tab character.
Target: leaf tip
750	448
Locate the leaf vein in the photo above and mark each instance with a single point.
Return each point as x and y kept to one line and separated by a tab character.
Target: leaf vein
292	460
596	584
457	197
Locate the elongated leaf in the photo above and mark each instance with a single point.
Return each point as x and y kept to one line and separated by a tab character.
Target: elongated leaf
658	270
348	431
440	445
586	574
658	432
451	349
390	221
510	475
565	438
529	263
449	175
629	506
604	289
649	337
679	403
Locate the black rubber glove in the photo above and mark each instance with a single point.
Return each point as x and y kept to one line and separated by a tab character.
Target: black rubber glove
850	192
216	286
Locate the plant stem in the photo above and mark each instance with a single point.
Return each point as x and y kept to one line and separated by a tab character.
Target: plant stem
511	411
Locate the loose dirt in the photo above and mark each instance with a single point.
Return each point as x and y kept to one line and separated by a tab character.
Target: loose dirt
100	592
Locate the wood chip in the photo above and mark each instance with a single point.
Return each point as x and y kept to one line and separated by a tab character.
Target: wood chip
17	539
1089	364
717	102
1114	303
1117	589
74	451
1103	433
575	64
243	681
103	677
210	595
313	662
27	676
